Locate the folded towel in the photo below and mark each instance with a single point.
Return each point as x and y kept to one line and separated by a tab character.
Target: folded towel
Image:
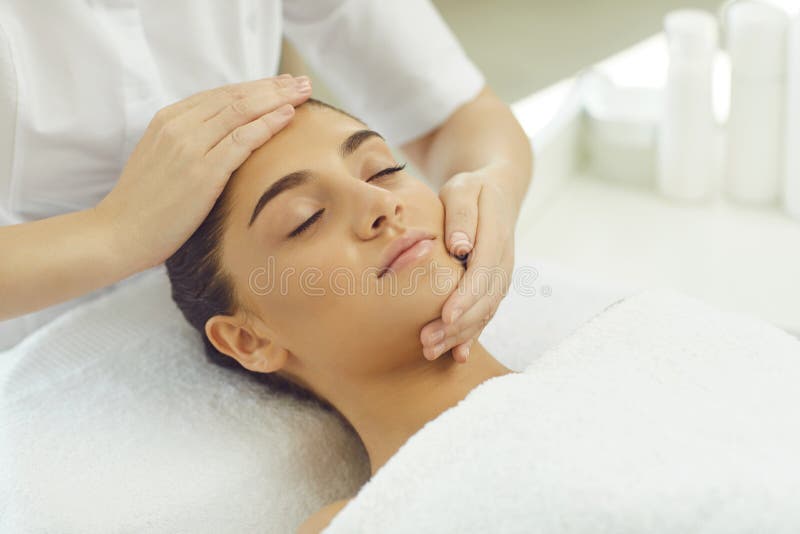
659	415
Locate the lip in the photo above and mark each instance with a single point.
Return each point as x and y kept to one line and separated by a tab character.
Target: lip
399	246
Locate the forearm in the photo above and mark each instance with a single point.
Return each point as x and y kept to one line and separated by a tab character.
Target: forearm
482	133
53	260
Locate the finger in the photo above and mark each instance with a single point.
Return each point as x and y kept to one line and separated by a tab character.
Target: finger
469	327
244	110
433	332
461	219
236	147
437	331
277	92
484	266
181	107
461	352
482	282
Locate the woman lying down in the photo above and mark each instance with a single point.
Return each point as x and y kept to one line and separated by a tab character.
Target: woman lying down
659	415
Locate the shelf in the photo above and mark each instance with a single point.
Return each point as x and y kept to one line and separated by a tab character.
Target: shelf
736	257
739	258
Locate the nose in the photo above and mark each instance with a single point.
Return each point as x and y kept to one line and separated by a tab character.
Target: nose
383	209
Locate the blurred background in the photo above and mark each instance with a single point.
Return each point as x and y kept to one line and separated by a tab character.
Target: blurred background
569	35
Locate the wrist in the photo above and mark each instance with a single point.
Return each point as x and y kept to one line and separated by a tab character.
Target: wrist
111	244
512	177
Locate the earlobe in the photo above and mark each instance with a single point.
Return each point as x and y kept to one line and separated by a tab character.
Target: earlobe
231	337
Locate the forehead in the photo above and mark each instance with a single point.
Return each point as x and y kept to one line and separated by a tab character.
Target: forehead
311	138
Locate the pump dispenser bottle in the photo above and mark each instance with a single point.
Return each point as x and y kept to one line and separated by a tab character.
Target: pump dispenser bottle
757	34
688	133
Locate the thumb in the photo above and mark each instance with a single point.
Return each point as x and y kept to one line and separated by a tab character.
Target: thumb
461	223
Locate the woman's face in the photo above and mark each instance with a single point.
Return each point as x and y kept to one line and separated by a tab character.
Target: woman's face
307	269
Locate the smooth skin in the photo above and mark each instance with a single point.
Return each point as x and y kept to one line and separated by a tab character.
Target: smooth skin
311	306
168	186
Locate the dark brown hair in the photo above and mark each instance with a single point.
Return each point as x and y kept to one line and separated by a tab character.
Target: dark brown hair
202	289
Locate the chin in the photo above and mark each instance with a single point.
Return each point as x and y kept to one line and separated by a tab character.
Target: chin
421	289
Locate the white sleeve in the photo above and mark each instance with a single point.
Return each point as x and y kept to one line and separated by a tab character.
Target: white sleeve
394	64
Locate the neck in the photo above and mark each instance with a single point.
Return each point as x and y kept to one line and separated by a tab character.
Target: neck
386	412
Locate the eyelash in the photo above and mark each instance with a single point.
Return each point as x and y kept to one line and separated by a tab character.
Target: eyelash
390	170
303	227
311	220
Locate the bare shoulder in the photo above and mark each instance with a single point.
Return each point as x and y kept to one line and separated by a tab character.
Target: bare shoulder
322	517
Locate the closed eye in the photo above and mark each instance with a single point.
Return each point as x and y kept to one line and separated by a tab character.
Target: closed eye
311	220
303	227
390	170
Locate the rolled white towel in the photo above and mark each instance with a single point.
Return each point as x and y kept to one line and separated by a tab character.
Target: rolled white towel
660	415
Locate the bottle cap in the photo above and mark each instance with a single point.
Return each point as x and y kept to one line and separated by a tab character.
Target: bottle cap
757	35
691	32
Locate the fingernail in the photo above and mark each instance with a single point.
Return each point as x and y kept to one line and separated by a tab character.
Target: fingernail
455	315
461	244
438	336
466	353
304	88
438	349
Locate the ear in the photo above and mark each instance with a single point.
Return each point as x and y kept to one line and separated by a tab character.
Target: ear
232	336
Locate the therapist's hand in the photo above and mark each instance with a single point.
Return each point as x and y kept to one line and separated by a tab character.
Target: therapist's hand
479	220
184	159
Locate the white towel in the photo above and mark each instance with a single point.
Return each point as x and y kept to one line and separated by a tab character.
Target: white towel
660	415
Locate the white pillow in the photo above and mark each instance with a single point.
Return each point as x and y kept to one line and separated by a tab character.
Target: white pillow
112	419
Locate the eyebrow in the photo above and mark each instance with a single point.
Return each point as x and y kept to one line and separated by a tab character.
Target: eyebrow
298	178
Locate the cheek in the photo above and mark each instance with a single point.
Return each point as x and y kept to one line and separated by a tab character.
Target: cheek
322	294
422	204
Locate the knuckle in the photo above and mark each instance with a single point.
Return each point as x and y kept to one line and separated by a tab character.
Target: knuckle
467	333
239	136
160	117
462	179
450	329
240	107
447	188
233	91
457	185
462	211
288	92
492	187
284	81
463	337
269	125
170	130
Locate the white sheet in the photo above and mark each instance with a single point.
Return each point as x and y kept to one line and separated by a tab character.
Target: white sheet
661	415
111	420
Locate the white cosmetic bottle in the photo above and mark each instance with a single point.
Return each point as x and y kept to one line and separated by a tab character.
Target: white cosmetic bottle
791	197
688	133
757	35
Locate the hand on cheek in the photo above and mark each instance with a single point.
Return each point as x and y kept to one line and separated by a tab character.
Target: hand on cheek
478	223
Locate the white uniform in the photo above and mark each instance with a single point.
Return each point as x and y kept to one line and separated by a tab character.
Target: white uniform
80	81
